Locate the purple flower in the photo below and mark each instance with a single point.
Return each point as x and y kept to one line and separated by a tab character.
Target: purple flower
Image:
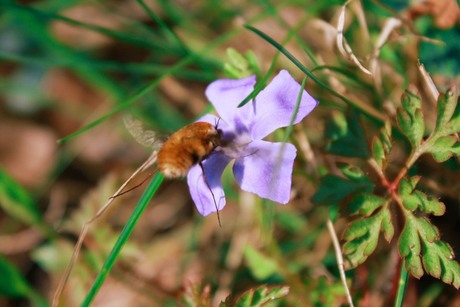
261	167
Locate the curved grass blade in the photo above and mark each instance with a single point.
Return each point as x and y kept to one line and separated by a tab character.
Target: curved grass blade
261	84
124	236
149	87
126	37
164	26
368	110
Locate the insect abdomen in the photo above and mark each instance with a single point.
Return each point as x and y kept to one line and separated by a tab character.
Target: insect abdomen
173	164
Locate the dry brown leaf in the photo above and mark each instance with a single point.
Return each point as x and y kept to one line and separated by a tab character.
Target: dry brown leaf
27	151
444	12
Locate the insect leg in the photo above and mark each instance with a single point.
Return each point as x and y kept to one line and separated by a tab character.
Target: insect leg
85	228
209	187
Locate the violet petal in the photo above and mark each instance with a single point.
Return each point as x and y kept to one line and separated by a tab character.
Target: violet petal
226	95
266	170
274	106
214	165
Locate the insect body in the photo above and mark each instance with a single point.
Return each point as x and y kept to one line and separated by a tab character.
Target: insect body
187	147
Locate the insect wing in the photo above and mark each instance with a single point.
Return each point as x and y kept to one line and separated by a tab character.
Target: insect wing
143	136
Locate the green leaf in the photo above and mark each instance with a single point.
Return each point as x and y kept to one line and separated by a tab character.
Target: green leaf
444	147
124	235
381	147
362	236
326	292
454	124
413	199
410	118
261	266
257	297
17	202
421	248
365	204
447	107
291	221
238	66
334	189
410	249
439	262
347	138
13	284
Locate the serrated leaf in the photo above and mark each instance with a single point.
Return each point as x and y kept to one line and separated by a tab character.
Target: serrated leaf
410	249
413	199
387	226
410	118
444	147
447	104
365	204
381	146
260	265
419	244
362	236
257	297
378	152
334	189
439	262
454	124
347	138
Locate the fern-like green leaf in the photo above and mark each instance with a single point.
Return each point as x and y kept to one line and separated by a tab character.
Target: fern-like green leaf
410	118
346	136
362	236
365	204
257	297
444	147
413	199
422	250
381	146
334	189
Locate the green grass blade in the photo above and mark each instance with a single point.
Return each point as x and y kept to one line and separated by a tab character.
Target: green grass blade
401	287
296	110
125	37
149	87
365	108
164	26
261	84
124	236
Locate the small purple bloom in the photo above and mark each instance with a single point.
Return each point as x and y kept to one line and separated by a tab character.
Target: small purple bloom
261	167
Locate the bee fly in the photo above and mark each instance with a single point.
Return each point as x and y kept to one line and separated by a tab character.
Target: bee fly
185	148
189	146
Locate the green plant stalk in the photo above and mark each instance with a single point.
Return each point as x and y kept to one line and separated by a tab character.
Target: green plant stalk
261	84
401	286
360	105
124	236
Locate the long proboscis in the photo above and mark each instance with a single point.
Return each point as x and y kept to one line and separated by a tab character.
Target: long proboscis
150	161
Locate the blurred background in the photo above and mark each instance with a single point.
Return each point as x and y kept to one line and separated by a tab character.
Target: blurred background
66	64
